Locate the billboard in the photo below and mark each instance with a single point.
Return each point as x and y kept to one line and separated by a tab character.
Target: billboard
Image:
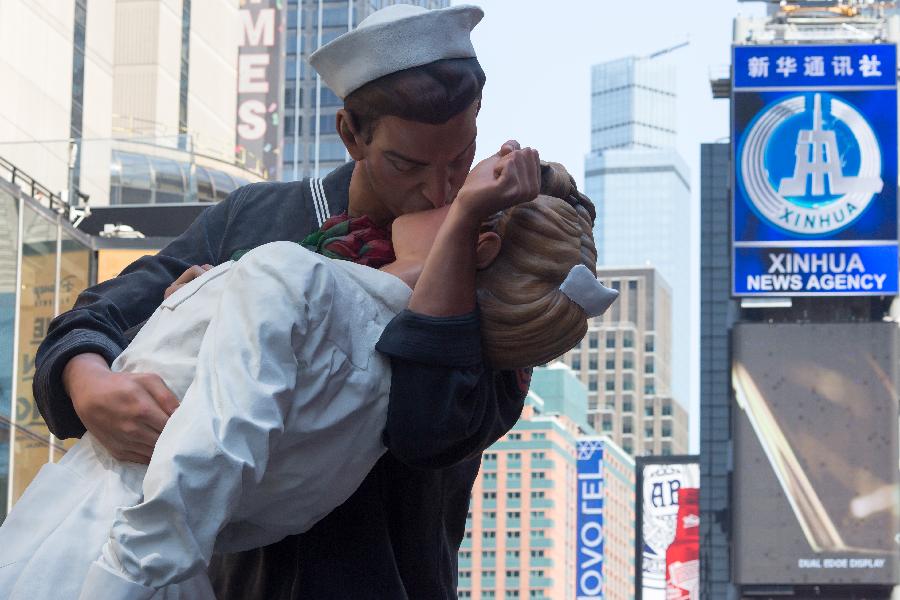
815	170
815	483
667	551
260	109
589	542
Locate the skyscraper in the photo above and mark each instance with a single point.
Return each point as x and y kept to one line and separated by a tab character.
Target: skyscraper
716	312
641	188
520	539
625	363
312	146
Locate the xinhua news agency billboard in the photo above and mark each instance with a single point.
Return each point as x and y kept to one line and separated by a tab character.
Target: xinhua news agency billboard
589	543
667	511
814	132
815	454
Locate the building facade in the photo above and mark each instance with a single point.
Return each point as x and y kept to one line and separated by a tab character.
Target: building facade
312	146
641	186
521	537
625	363
717	310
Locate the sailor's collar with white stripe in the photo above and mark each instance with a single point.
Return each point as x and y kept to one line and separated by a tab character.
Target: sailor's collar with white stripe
320	201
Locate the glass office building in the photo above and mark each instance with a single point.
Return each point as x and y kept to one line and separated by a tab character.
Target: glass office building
641	187
44	264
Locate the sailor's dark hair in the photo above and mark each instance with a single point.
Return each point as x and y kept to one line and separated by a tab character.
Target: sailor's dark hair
432	93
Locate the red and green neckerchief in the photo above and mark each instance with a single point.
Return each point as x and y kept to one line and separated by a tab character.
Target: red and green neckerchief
356	239
343	237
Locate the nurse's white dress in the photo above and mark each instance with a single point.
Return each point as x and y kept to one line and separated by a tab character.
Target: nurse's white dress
284	400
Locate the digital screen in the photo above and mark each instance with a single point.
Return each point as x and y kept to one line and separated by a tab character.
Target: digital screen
815	453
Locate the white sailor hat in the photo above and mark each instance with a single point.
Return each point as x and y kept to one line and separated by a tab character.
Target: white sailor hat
393	39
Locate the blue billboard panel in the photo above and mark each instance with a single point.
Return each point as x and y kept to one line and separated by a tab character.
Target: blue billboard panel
815	66
589	544
855	270
815	163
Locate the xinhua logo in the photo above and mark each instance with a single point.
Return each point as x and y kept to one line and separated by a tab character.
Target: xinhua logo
811	164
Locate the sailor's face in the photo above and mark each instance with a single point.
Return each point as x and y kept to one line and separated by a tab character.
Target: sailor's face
414	166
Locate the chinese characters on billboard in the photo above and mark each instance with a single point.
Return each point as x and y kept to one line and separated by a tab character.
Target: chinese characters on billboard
668	523
261	87
814	132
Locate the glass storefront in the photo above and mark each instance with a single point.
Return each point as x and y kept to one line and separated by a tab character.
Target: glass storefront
48	263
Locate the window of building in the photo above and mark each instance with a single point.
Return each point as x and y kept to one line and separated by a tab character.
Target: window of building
576	364
627	362
489	554
592	383
489	514
514	475
627	406
489	495
666	431
592	339
513	456
490	475
648	344
514	436
649	366
648	432
626	446
648	410
649	388
538	456
490	456
537	533
537	495
537	514
514	514
512	593
537	573
627	382
610	384
607	422
592	363
666	448
538	475
513	554
627	426
464	554
610	363
513	534
667	409
539	436
627	339
488	534
537	554
465	574
513	495
611	339
488	573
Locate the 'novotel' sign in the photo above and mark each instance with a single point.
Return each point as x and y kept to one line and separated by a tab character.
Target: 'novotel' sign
589	545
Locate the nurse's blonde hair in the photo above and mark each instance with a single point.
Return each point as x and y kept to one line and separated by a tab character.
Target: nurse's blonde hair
525	319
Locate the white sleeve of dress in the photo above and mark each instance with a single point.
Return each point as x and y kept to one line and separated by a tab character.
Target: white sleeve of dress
216	445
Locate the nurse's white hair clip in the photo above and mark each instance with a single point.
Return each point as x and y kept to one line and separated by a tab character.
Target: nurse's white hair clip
586	291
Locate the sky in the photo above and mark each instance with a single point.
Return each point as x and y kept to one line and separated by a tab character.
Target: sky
538	57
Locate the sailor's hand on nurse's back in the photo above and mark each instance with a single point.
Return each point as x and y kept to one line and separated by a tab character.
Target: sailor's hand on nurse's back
188	276
126	412
510	177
